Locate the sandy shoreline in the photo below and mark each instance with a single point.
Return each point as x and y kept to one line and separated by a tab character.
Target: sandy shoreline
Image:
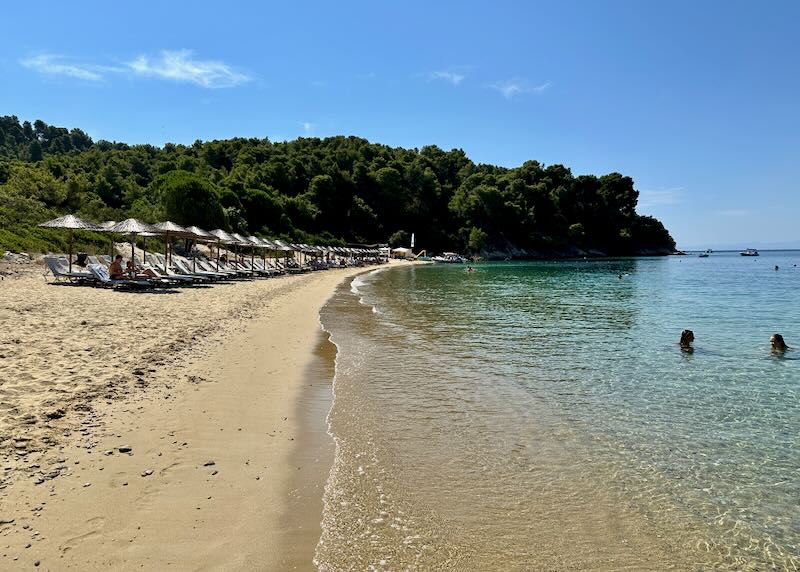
208	388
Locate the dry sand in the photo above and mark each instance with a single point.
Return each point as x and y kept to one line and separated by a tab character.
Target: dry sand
163	431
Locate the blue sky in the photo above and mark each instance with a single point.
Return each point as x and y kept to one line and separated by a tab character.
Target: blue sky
697	101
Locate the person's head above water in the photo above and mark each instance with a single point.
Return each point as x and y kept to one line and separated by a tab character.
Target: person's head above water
777	343
687	337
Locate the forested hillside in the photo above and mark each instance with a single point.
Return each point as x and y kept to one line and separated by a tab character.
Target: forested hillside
334	190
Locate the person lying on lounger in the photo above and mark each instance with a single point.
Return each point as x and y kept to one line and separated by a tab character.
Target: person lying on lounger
135	271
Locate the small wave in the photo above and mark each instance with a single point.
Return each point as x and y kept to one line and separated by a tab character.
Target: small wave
357	282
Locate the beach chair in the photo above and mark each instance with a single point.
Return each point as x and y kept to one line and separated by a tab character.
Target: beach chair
210	266
182	267
100	273
60	271
157	261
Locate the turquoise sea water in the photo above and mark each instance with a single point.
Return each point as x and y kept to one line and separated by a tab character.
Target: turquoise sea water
540	415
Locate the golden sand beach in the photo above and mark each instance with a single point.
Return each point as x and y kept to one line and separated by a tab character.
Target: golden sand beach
161	430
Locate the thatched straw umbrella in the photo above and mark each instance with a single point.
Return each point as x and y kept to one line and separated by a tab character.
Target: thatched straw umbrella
222	238
200	235
169	228
133	227
70	222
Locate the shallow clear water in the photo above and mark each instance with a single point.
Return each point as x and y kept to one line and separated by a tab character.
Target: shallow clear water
541	416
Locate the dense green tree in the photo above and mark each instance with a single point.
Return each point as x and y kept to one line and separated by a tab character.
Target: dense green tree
477	239
189	200
339	189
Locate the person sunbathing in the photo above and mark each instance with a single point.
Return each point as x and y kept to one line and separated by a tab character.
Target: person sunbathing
777	343
115	269
687	338
137	272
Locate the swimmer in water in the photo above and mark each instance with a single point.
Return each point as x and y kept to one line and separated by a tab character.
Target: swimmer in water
777	343
687	338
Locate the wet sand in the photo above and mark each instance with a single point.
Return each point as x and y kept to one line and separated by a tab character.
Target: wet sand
169	430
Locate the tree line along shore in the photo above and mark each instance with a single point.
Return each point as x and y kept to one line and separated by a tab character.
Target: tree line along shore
332	191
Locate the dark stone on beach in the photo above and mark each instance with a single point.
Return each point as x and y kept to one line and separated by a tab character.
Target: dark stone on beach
214	473
6	521
125	449
209	464
37	563
56	413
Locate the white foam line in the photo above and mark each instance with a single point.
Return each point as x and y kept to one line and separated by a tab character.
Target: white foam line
328	490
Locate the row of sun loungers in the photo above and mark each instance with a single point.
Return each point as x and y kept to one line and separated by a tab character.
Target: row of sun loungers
180	271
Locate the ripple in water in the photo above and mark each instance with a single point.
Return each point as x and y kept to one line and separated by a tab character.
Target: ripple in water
540	416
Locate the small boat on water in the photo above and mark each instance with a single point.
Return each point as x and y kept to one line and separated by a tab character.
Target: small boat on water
449	258
705	254
749	252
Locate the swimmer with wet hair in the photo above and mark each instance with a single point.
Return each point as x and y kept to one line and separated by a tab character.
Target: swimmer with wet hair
777	343
687	337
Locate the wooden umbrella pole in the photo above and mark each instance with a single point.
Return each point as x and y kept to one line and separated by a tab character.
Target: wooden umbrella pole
70	251
166	251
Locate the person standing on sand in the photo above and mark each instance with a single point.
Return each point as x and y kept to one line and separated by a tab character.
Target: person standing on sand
687	338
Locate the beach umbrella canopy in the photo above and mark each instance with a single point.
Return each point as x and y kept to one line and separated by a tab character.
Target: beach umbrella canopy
239	241
199	235
70	222
169	228
222	238
133	227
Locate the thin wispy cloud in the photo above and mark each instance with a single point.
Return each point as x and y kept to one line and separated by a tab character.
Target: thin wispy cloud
308	127
452	77
517	86
733	212
180	66
53	64
183	67
657	197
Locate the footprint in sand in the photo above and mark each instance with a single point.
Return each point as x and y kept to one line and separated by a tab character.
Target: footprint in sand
95	525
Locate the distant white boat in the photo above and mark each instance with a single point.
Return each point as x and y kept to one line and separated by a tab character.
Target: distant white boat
449	258
749	252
